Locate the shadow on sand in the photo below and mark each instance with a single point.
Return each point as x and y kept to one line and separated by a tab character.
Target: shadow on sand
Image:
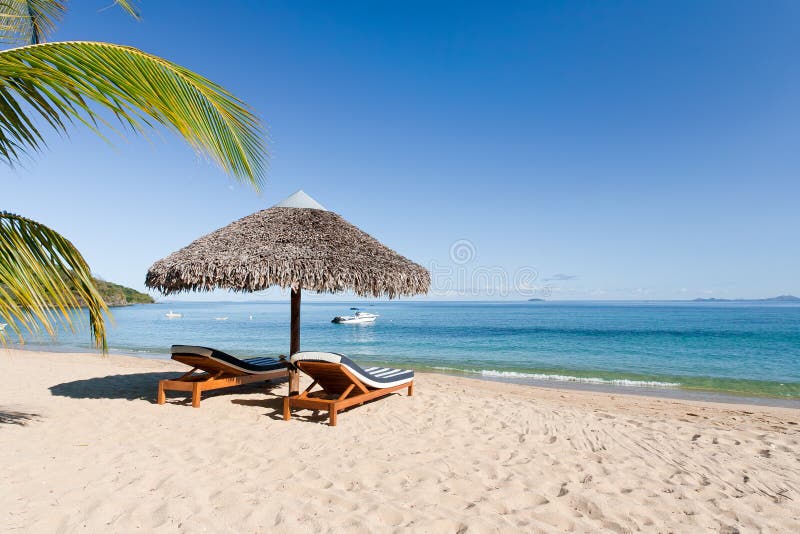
144	386
17	418
275	406
273	403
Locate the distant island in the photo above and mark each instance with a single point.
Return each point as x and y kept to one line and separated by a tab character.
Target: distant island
117	295
535	300
779	298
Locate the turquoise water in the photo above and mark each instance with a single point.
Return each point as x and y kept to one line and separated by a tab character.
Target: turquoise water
748	349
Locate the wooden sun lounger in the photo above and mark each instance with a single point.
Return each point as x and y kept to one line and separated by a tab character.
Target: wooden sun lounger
213	369
344	384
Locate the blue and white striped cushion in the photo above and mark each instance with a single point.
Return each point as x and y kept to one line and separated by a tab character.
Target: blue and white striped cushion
374	377
259	365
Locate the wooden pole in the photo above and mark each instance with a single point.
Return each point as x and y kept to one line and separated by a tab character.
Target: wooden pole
294	344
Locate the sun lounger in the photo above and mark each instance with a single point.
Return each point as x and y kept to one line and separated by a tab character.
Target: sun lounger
343	383
214	369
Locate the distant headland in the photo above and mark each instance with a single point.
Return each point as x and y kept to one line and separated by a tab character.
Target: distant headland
117	295
779	298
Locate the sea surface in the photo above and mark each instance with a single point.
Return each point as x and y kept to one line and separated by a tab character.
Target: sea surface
738	348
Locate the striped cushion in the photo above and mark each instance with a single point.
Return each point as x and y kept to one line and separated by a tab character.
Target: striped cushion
374	377
250	365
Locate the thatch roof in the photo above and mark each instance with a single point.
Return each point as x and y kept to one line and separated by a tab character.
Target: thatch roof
306	247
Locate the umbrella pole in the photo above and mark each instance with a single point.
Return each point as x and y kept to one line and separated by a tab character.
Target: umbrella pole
294	345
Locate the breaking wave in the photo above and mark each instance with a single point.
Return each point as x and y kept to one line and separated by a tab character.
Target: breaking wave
624	382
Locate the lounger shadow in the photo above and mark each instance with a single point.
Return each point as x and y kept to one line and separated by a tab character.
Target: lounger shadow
133	386
214	369
343	382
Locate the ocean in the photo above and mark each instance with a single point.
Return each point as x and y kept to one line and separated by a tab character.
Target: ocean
736	348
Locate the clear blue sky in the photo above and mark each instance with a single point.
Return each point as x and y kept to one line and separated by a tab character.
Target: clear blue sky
623	150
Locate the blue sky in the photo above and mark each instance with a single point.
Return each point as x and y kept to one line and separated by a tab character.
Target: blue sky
618	150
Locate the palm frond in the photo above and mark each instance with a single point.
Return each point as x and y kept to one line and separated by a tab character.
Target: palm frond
66	82
33	21
129	7
29	21
44	280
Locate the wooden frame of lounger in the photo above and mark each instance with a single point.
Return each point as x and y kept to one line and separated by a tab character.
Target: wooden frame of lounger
340	390
213	375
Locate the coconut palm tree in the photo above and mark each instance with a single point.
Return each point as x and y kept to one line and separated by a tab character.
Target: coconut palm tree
57	85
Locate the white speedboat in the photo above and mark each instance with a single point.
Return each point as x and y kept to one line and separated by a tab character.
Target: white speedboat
221	318
172	315
359	317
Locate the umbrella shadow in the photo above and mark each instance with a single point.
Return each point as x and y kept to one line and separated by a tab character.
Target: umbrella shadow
275	404
270	388
8	417
275	390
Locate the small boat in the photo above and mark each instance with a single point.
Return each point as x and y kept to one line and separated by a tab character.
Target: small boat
353	309
221	318
172	315
3	326
358	318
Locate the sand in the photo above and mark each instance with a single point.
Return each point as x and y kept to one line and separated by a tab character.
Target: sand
84	448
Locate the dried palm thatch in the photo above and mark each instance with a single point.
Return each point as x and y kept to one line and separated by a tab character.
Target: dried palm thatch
291	247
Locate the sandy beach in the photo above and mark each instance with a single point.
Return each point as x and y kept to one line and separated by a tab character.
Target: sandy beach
85	448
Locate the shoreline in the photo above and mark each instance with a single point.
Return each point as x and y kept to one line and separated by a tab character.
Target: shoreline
664	393
660	392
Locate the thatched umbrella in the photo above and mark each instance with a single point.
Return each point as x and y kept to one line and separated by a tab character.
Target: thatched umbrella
296	244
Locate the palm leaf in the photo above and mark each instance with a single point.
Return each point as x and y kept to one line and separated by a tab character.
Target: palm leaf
44	280
32	21
67	82
128	7
29	21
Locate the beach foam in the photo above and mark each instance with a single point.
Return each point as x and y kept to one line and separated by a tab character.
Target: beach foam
565	378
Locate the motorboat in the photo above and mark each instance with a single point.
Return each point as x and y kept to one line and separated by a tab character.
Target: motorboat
358	318
221	318
172	315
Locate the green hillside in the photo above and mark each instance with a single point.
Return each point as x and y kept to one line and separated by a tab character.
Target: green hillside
117	295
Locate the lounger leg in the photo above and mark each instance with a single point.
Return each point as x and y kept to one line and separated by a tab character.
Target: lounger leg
332	415
410	388
196	389
162	398
287	414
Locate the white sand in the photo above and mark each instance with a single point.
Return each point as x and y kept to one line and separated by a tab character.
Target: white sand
83	448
